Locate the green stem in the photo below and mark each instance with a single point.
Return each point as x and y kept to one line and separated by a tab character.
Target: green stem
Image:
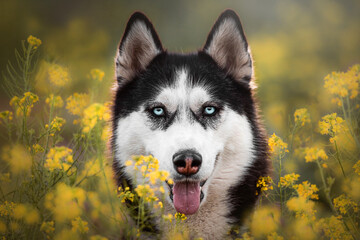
326	188
338	158
26	69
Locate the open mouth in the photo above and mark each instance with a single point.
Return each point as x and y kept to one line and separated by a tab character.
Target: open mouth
186	196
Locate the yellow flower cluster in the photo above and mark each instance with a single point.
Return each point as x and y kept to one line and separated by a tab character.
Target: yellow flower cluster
58	75
331	125
180	216
125	194
288	180
36	148
27	213
307	190
78	225
56	101
264	184
301	116
17	157
169	217
76	103
34	42
47	227
303	207
97	74
25	104
313	154
93	114
342	84
333	228
65	202
6	116
7	208
55	125
59	158
277	145
343	203
146	192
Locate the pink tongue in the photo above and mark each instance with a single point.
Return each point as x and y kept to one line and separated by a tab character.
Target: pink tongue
186	197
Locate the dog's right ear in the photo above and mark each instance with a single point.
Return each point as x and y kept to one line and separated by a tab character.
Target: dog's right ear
138	46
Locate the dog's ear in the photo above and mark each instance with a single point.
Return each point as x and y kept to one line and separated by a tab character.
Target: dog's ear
138	46
227	45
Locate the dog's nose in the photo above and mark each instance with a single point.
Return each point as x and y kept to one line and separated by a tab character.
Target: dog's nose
187	162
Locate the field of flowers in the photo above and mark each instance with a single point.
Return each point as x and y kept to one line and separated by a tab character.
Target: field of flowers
56	184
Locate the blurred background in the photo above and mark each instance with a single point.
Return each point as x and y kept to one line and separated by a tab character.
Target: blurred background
294	43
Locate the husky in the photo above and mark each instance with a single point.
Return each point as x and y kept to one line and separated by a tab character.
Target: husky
196	113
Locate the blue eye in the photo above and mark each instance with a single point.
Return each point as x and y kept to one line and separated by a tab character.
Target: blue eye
209	111
158	111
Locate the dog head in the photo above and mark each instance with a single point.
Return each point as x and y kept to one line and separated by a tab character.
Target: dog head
193	112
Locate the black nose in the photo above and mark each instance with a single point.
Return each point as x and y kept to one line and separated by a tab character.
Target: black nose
187	162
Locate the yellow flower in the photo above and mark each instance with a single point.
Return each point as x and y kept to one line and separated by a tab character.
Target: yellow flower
55	125
93	114
277	145
333	228
168	217
55	100
58	75
17	157
288	180
301	116
146	192
7	208
264	184
306	190
180	216
36	148
6	116
342	83
47	227
343	203
126	195
33	41
128	163
313	154
24	104
159	205
59	158
331	125
78	225
76	103
97	74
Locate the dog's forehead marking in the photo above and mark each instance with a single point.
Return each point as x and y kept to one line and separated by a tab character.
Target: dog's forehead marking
182	94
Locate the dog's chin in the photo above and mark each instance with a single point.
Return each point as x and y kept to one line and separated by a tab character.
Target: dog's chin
186	195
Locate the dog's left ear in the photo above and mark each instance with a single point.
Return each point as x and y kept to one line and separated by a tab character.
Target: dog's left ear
227	45
138	46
